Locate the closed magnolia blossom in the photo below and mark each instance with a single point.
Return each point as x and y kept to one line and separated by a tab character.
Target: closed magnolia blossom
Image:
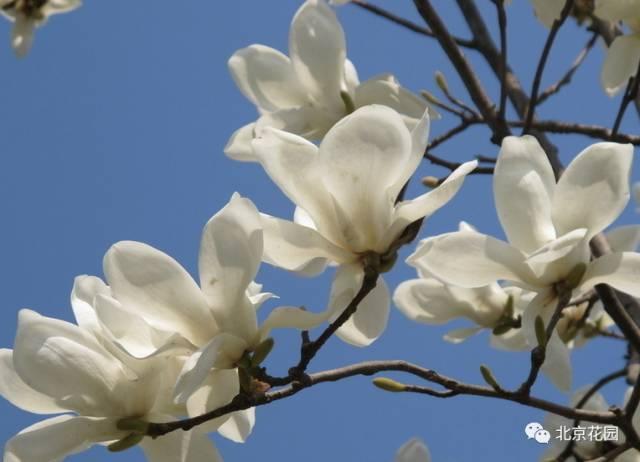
345	191
549	227
413	450
29	14
623	54
310	90
60	368
499	309
212	324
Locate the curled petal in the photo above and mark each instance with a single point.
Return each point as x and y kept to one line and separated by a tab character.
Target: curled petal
239	145
265	76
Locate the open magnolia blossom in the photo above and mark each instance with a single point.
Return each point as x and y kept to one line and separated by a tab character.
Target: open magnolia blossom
413	450
29	14
103	396
346	191
312	89
623	56
213	323
591	447
549	227
430	301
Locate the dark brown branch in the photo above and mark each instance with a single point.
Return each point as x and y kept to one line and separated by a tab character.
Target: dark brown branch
369	368
462	66
533	99
502	24
539	353
516	93
406	23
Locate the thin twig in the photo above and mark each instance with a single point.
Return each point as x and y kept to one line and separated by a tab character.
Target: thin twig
566	78
502	24
630	95
533	98
406	23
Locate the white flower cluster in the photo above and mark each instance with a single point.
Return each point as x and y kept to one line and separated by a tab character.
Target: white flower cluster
150	344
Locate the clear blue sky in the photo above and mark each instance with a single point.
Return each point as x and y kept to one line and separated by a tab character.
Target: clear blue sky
113	128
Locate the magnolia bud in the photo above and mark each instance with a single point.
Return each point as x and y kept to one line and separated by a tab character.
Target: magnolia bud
387	384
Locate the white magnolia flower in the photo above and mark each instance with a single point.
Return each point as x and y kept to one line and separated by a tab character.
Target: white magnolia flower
214	322
413	450
636	195
60	368
346	192
548	226
430	301
29	14
312	89
623	55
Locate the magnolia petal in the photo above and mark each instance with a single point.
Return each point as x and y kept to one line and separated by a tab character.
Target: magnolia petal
317	48
360	158
426	301
386	90
292	317
60	6
619	270
419	140
291	163
219	389
624	238
53	439
265	76
413	450
594	189
181	446
223	351
616	10
239	145
460	335
558	253
406	212
154	285
230	256
351	78
22	35
66	363
85	290
547	11
298	248
239	425
370	319
620	63
470	259
309	122
523	185
18	393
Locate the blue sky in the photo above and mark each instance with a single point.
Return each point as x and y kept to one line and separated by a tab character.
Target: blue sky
113	128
